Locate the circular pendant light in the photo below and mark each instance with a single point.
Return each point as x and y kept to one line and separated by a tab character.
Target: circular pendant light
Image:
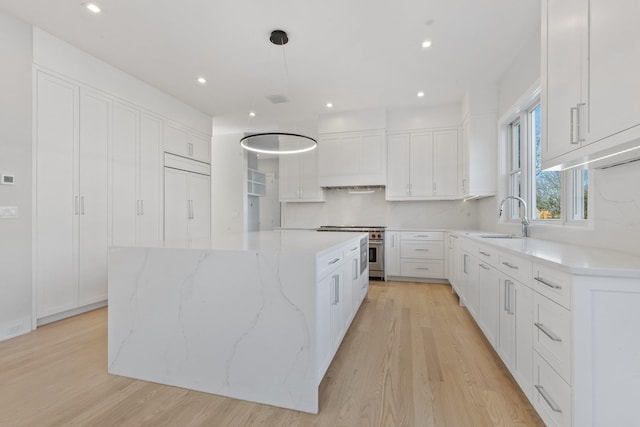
278	142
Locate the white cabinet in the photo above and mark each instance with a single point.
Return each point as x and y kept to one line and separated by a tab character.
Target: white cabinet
299	176
584	110
515	339
71	223
135	170
186	142
256	183
477	161
187	203
422	165
352	159
489	302
470	283
392	253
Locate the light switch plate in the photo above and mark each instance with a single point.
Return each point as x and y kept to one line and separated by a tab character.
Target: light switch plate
8	212
7	179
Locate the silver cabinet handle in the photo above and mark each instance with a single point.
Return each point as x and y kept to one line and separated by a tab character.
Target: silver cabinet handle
547	283
547	332
81	205
548	399
76	205
506	296
334	261
421	250
484	267
484	253
422	268
572	113
355	269
514	267
422	235
336	289
193	212
579	121
353	249
508	285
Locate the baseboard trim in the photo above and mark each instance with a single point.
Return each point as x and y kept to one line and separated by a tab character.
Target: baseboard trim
70	313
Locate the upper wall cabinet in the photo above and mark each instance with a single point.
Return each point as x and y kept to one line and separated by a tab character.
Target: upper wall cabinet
590	65
299	175
352	159
422	165
187	143
478	158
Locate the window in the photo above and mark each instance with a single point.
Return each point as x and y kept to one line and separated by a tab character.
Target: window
551	196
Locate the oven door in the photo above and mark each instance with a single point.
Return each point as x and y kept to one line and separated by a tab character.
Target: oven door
376	257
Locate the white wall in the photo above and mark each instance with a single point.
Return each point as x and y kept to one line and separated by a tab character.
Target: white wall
15	157
342	208
228	184
615	195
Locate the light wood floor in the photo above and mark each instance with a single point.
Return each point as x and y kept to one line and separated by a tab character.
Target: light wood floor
412	357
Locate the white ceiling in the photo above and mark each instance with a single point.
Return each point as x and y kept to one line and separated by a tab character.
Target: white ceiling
357	54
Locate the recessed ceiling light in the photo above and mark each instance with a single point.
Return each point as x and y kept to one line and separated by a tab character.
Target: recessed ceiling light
426	44
93	7
202	80
252	114
329	105
420	94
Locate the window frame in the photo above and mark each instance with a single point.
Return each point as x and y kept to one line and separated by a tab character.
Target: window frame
571	188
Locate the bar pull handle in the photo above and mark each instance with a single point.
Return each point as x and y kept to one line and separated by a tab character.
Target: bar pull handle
484	253
355	269
422	268
484	267
548	399
421	250
506	296
514	267
572	133
334	261
336	289
547	283
547	332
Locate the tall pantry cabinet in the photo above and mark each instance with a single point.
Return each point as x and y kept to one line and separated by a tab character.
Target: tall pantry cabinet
71	198
99	182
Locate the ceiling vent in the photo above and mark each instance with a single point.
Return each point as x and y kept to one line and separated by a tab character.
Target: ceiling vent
277	99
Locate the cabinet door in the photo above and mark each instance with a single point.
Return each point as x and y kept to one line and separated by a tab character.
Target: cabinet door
351	155
421	165
200	197
330	157
506	329
489	302
392	253
149	226
472	286
323	325
445	168
614	67
373	155
57	201
94	224
199	148
175	140
124	207
309	180
176	205
523	337
337	302
398	166
350	277
562	29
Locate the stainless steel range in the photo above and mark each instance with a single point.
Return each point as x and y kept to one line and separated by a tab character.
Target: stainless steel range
376	245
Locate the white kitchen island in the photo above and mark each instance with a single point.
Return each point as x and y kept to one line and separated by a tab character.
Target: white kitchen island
254	316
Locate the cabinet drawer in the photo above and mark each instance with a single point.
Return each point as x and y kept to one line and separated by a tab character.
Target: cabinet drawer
518	268
488	256
552	334
329	261
421	250
554	284
427	269
422	235
551	395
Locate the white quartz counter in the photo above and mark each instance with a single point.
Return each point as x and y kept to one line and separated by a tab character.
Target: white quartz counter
571	258
284	241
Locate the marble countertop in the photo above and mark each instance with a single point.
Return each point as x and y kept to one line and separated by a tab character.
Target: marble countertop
571	258
306	241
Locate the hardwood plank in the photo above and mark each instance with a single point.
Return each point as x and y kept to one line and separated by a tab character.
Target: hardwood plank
412	357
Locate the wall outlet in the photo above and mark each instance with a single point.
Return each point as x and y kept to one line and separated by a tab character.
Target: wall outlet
8	212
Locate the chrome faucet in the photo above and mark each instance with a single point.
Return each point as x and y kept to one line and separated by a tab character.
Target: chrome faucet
524	219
